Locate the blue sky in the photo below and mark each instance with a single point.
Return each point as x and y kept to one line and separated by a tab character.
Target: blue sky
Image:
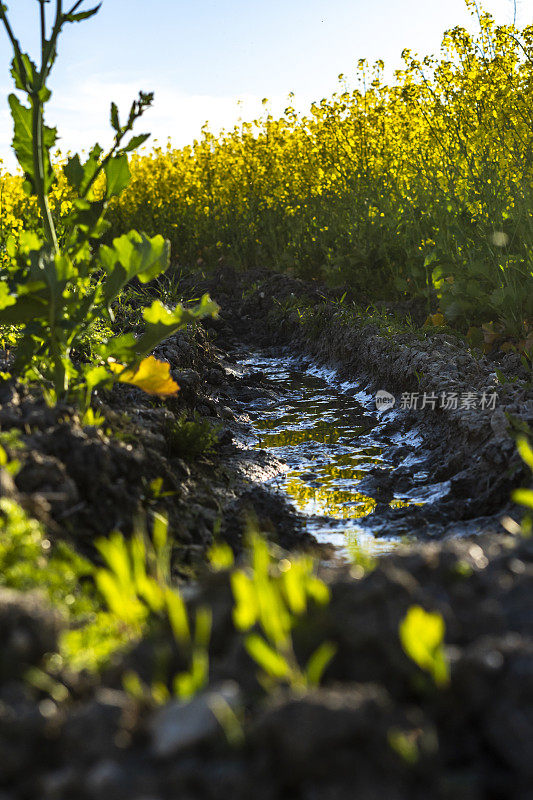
215	61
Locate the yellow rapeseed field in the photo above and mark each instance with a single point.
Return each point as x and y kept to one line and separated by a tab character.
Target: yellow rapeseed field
423	187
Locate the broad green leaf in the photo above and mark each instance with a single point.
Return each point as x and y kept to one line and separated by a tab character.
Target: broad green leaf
44	94
273	663
154	333
22	140
117	173
133	255
87	216
120	348
23	143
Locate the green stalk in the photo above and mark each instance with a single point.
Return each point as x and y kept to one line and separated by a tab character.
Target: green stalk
37	131
38	166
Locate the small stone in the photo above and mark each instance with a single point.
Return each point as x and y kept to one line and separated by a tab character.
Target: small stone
104	777
499	424
180	725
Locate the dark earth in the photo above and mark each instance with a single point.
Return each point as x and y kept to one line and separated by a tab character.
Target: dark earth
378	727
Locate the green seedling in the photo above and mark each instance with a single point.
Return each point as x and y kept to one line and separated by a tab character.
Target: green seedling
57	291
270	597
136	585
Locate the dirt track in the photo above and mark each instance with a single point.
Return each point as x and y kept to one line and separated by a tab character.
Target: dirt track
473	739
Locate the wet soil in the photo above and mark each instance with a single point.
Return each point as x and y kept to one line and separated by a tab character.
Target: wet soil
84	481
378	727
460	462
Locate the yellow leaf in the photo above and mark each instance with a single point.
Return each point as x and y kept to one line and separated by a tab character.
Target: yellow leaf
152	376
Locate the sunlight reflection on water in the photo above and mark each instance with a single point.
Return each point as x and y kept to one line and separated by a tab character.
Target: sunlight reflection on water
329	441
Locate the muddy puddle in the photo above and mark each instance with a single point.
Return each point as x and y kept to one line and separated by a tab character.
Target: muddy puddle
330	438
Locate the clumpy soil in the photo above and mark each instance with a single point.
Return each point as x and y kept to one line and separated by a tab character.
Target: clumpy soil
468	454
378	727
85	481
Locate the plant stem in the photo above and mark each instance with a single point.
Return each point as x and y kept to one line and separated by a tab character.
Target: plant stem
38	167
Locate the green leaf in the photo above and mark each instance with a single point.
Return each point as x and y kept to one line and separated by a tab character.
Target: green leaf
177	615
132	255
422	637
202	628
318	662
115	122
120	347
81	15
273	663
245	610
136	141
26	308
157	313
524	497
160	533
88	217
526	453
95	376
22	140
295	590
80	175
44	94
6	299
74	172
117	174
24	73
23	143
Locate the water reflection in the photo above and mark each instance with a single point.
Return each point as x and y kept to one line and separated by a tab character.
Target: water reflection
329	442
